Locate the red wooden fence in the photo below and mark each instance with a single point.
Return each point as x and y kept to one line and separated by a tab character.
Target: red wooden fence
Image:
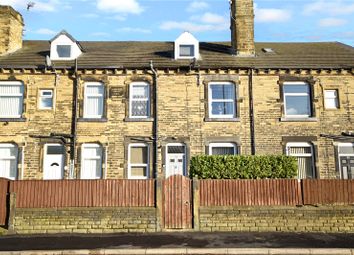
328	191
250	192
84	193
4	183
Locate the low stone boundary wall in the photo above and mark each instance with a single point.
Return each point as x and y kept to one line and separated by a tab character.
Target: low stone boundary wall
284	219
84	220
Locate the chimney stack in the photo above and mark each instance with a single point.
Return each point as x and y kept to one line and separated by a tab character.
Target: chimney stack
242	28
11	28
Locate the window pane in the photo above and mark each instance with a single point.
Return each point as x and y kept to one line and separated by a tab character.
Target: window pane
331	99
64	51
300	150
346	149
46	102
138	155
298	105
90	152
305	169
223	151
94	106
55	149
186	50
137	171
176	149
11	89
296	88
10	106
91	169
226	91
94	90
140	108
220	108
8	162
140	91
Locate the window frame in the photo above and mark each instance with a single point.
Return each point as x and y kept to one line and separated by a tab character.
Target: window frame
15	158
211	100
41	96
335	98
308	95
86	96
99	158
223	145
146	165
312	155
339	164
148	100
19	95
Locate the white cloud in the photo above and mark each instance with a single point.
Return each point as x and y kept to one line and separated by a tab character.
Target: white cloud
332	22
39	6
133	30
197	5
264	15
333	8
126	6
45	31
191	27
212	18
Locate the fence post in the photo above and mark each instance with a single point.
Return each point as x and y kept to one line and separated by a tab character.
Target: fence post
159	204
196	203
12	213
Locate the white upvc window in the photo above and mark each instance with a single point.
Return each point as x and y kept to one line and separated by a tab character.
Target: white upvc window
91	161
331	99
222	149
297	99
186	50
304	154
8	161
46	99
222	102
139	101
346	160
93	100
11	99
138	161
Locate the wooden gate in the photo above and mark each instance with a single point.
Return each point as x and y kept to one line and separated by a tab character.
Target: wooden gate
4	183
177	202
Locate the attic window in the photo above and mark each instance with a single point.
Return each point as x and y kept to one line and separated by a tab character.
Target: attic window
64	51
186	50
268	50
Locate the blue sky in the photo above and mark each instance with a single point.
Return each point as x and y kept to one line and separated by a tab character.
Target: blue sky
164	20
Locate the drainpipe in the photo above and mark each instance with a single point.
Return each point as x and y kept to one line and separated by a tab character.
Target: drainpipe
74	124
252	129
155	125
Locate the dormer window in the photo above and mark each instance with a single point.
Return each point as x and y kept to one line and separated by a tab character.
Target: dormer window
64	47
64	51
186	47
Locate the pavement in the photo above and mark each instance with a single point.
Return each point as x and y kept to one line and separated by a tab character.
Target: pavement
180	243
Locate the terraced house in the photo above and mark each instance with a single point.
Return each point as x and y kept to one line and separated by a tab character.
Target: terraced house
89	110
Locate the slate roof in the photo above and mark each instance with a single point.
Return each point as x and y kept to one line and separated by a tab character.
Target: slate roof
214	55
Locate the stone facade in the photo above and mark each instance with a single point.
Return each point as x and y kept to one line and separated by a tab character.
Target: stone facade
277	219
85	220
11	28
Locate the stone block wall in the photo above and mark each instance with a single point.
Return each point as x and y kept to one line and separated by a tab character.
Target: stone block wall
85	220
327	219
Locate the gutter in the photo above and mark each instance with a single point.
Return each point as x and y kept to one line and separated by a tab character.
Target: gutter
252	128
155	124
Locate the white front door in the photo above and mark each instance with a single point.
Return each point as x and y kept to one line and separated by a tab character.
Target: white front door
175	160
53	162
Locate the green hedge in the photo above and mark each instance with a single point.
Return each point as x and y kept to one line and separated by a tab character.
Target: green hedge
243	167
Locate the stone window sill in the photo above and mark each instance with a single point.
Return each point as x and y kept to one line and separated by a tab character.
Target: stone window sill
311	119
13	119
92	120
139	119
222	119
